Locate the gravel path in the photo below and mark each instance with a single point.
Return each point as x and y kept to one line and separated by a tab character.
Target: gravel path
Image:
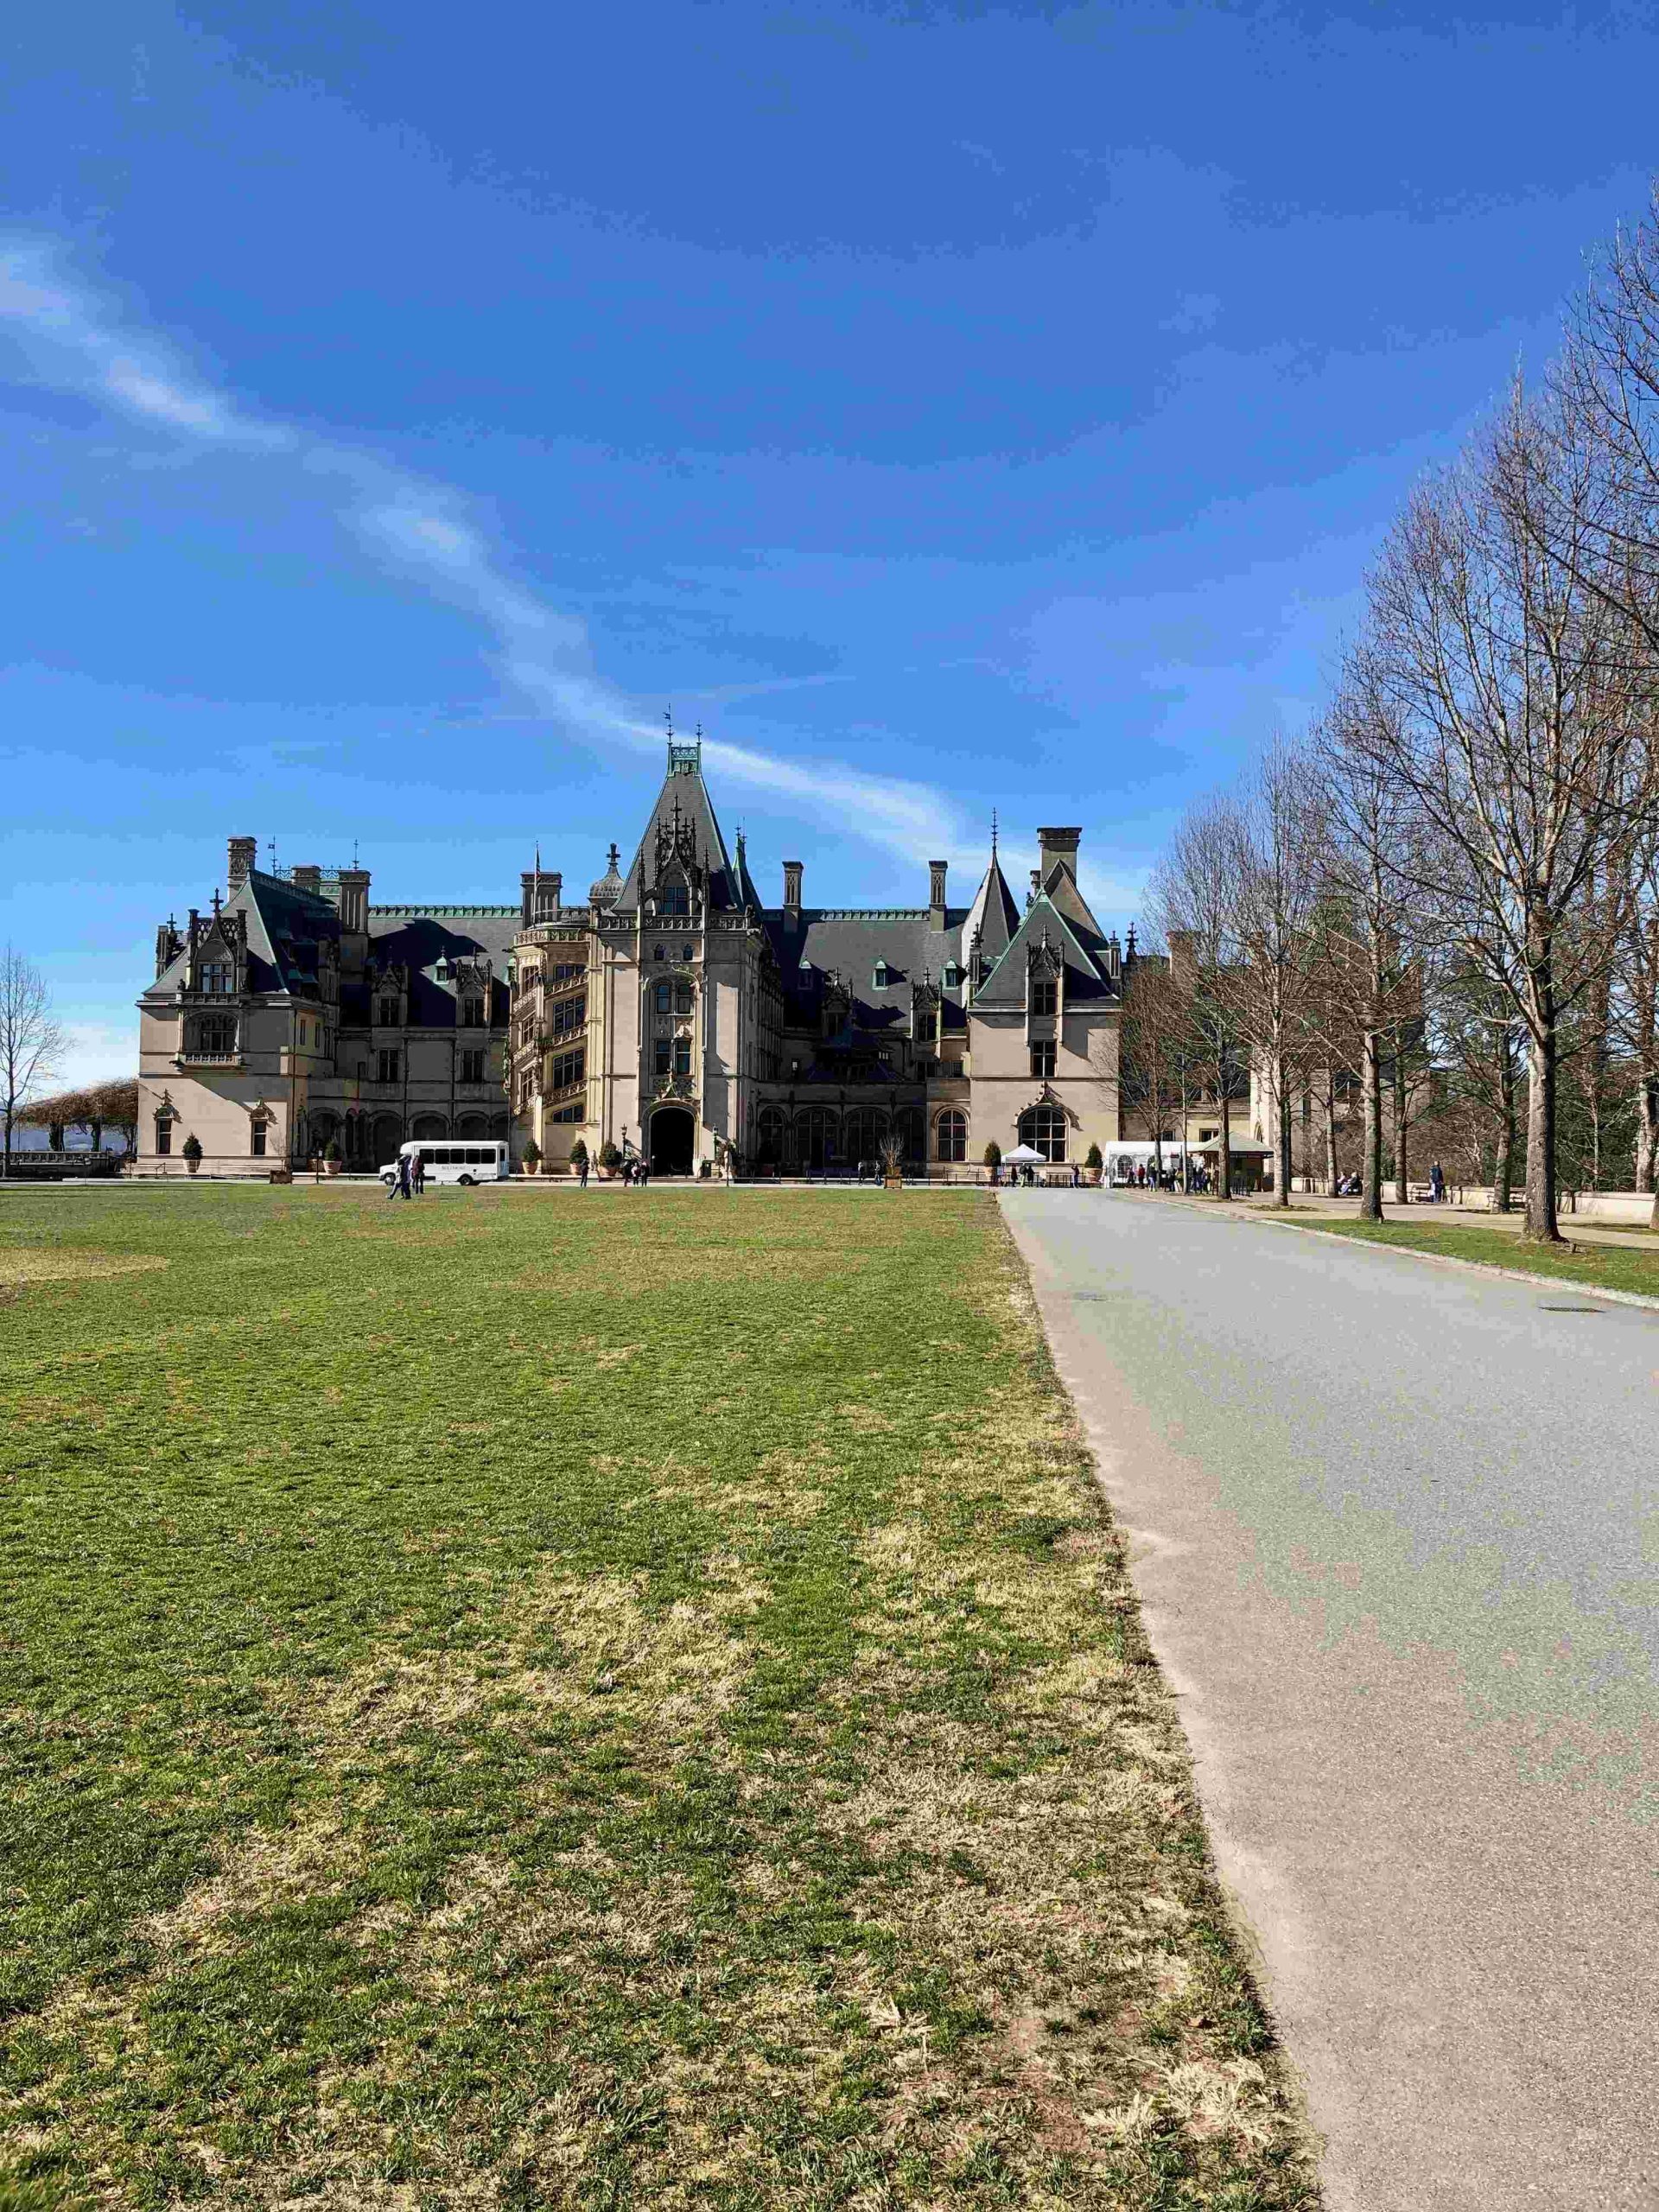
1396	1528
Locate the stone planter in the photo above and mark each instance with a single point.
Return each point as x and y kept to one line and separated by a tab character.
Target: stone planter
333	1166
893	1182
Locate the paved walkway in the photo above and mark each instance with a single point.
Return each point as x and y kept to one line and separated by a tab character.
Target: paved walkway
1397	1529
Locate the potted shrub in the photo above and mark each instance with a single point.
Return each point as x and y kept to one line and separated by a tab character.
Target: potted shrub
578	1156
891	1156
993	1157
192	1152
532	1157
334	1158
609	1158
1093	1163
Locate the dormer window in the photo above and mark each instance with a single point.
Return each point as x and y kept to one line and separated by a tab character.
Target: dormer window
674	898
387	1016
806	965
951	977
444	971
1045	994
218	978
472	1014
880	976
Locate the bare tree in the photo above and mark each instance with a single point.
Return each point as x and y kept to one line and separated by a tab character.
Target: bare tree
1156	1046
1195	902
31	1042
1366	913
1514	724
1277	877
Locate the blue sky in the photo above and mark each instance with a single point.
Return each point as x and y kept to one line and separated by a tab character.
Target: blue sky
951	407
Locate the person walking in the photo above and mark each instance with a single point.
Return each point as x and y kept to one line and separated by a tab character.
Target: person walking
581	1172
1437	1183
417	1174
403	1173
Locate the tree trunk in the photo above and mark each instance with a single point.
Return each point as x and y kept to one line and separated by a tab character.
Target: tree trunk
1647	1131
1504	1164
1541	1087
1331	1178
1224	1179
1402	1184
1282	1196
1370	1197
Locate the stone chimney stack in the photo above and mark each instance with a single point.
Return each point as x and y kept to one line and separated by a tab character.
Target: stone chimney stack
242	852
936	874
307	878
354	902
791	887
1059	845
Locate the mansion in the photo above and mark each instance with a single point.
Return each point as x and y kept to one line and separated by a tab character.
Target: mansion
670	1013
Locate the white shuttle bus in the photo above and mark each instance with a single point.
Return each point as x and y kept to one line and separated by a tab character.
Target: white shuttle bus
454	1160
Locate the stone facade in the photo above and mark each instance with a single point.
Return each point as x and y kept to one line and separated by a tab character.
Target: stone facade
668	1013
672	1013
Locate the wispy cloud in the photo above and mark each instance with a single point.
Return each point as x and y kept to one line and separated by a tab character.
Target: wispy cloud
76	338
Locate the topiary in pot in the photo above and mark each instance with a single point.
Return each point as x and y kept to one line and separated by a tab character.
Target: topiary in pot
578	1156
609	1158
1093	1162
192	1152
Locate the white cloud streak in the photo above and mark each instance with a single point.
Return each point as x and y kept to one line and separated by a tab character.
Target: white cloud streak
76	339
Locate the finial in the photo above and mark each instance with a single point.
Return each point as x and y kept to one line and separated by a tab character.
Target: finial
993	833
667	720
613	856
215	899
353	852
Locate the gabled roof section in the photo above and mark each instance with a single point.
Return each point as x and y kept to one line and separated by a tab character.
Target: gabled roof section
1044	921
683	823
992	914
1061	886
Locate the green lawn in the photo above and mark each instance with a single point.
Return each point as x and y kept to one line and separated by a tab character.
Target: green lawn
1597	1267
525	1699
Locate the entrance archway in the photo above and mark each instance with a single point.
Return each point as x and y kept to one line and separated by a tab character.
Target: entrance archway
672	1135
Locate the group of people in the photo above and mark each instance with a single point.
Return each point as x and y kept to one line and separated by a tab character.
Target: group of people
410	1181
1022	1173
636	1172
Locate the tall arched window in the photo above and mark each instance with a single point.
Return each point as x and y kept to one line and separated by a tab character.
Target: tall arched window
769	1135
950	1135
1043	1128
908	1128
816	1133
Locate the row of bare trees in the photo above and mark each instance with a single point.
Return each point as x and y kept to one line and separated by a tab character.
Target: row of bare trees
1456	874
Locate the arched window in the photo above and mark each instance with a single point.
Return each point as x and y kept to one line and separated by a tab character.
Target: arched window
950	1135
879	976
908	1128
769	1128
816	1134
1043	1128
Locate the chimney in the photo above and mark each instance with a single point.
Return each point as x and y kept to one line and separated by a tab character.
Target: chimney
549	897
527	895
241	853
167	945
1059	845
1036	885
791	887
307	878
935	872
354	902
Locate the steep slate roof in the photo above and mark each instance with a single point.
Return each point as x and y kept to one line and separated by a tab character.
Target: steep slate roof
287	925
850	941
684	800
992	914
1059	916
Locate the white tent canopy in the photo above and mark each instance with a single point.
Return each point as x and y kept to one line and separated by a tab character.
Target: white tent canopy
1025	1155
